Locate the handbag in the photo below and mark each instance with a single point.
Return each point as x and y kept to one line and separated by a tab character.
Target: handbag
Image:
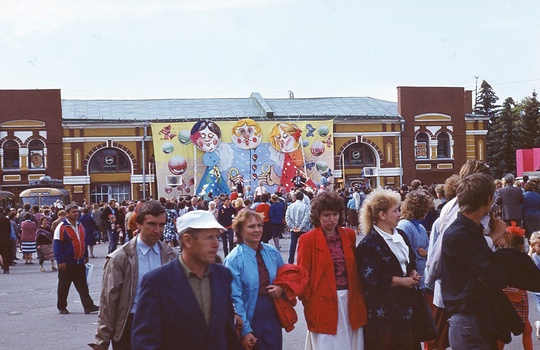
424	327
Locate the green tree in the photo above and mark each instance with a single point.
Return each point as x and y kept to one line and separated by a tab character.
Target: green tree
486	101
502	140
528	135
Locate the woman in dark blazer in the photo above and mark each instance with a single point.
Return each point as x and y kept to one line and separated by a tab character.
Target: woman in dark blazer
387	269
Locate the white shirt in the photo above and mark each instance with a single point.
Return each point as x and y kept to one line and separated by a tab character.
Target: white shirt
397	245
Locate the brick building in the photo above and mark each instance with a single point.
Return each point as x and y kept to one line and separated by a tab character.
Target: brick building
103	149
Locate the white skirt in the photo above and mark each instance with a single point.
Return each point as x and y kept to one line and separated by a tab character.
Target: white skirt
345	337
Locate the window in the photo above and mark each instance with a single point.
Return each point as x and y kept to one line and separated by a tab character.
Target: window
106	192
443	145
36	155
422	146
110	160
359	155
11	155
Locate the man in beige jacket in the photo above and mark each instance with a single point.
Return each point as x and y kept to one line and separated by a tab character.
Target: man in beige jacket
122	275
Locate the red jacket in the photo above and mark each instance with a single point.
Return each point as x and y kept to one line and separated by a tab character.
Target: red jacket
320	297
293	279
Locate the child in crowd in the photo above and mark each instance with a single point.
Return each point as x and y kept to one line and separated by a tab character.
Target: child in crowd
515	239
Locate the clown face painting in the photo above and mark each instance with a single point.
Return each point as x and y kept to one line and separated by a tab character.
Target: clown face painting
246	134
205	135
285	137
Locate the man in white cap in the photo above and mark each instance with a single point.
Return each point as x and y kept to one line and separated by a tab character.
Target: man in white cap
186	304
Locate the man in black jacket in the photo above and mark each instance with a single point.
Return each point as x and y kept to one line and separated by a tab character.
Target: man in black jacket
469	272
107	214
5	240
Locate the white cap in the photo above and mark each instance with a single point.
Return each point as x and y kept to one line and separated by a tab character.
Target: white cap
198	220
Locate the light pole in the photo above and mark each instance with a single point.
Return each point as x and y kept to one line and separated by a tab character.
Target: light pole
143	154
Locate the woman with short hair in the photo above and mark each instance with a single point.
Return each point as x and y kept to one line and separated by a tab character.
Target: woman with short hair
254	267
333	301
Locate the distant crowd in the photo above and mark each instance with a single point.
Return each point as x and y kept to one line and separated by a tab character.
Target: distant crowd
375	268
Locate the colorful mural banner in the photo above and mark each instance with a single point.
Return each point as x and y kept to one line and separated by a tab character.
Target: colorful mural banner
195	158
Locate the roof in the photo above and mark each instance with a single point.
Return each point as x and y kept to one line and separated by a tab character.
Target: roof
255	107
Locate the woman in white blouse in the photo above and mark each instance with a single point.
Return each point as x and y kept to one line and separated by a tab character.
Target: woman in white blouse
387	268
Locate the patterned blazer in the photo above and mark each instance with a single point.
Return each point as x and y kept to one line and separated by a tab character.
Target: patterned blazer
377	264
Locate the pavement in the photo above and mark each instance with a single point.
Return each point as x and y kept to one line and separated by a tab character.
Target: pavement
30	320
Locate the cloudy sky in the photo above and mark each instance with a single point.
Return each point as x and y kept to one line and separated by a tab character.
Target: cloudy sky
229	48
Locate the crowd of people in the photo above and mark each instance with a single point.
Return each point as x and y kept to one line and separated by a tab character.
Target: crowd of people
364	263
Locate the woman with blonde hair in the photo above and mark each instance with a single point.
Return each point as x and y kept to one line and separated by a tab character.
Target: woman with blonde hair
387	268
239	204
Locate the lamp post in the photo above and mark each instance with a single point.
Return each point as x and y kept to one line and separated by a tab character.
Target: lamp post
143	154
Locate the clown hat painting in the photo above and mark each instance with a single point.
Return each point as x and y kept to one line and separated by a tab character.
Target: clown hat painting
206	136
287	138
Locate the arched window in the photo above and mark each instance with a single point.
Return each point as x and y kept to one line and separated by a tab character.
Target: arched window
359	155
36	155
11	155
443	145
422	146
110	160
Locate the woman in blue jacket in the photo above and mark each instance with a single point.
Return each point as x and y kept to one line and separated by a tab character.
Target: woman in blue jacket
254	267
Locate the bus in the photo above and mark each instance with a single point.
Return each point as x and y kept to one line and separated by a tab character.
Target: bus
44	196
7	199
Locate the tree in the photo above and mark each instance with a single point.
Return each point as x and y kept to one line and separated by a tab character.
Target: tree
485	101
527	126
502	140
485	106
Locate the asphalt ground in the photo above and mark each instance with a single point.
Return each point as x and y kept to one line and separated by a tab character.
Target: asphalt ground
29	318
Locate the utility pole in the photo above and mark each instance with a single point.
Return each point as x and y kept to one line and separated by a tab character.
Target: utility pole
476	92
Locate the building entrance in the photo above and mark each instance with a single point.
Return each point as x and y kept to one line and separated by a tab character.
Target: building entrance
106	192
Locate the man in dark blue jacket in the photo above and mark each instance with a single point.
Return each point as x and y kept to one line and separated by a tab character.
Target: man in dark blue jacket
187	304
470	276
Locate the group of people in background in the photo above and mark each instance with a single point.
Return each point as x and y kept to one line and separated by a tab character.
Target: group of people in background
358	260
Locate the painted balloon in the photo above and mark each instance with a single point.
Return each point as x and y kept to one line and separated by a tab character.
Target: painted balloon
317	148
184	137
322	166
305	143
167	148
168	189
323	130
177	165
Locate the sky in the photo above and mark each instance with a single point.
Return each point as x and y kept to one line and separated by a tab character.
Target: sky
116	49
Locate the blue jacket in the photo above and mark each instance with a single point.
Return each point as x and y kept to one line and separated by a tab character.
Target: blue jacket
168	316
277	212
245	286
418	238
68	248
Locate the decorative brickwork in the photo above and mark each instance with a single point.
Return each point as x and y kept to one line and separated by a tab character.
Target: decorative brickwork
443	129
337	158
15	138
425	131
38	137
119	146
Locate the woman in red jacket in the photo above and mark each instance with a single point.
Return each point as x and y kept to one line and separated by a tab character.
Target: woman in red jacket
333	301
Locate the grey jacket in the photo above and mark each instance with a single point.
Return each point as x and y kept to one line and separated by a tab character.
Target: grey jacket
120	277
297	215
511	202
